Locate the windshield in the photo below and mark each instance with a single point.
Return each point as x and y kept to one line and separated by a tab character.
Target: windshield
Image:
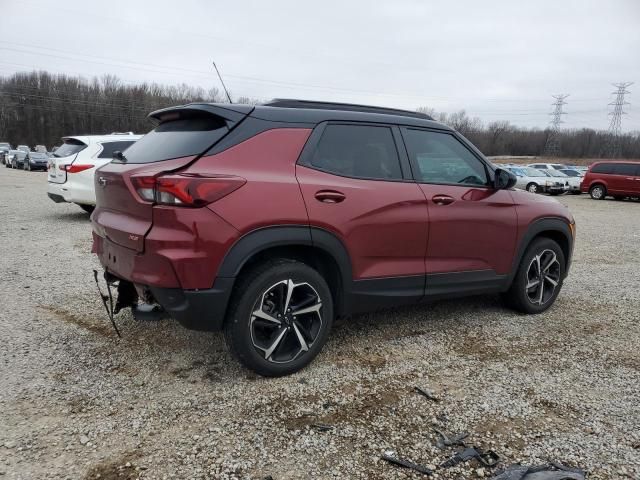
556	173
532	172
38	155
71	146
5	146
24	148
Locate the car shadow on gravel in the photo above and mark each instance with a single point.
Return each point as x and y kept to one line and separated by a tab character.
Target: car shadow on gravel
74	217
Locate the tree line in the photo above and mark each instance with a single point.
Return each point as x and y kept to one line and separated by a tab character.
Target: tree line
40	107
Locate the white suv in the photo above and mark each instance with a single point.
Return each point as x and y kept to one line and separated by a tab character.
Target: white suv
74	163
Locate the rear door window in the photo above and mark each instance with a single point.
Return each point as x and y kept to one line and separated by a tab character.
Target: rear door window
183	137
358	151
109	147
441	158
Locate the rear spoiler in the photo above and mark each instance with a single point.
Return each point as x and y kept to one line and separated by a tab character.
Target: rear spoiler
231	113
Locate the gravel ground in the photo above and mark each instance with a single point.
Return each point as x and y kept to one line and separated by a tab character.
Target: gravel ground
163	402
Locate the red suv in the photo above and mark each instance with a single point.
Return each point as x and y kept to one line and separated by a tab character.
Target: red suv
269	221
618	179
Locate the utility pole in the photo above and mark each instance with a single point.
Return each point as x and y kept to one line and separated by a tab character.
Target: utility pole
614	143
552	146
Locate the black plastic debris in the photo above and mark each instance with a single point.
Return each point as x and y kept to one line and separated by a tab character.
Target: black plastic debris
553	471
387	456
321	427
487	458
427	394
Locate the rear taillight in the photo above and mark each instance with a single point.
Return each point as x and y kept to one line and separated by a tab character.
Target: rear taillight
185	190
75	168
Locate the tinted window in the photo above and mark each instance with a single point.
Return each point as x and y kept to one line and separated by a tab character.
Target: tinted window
183	137
358	151
625	169
441	158
71	146
603	168
571	173
109	147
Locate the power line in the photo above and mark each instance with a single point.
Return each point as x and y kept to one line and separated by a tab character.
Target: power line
552	146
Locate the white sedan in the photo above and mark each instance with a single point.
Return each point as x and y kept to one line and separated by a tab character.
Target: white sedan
536	181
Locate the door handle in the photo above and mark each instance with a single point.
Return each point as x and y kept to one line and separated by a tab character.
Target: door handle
330	196
442	199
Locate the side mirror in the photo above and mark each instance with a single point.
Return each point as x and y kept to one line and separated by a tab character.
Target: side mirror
504	179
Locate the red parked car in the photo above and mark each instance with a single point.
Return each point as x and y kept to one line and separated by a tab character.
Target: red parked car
269	221
618	179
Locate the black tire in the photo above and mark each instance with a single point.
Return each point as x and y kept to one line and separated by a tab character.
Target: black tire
533	188
252	293
519	297
598	191
87	208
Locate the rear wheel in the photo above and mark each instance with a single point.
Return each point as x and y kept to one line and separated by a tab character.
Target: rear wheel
280	317
87	208
539	277
598	192
533	188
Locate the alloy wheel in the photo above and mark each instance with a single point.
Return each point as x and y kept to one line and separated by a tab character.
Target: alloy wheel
597	192
286	321
543	277
533	188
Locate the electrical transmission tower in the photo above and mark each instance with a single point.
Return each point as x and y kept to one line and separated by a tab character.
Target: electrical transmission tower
614	144
552	146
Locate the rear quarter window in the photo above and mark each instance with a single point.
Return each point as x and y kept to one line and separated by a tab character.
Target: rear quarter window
626	169
109	147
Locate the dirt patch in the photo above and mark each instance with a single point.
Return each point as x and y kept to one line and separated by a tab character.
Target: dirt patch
87	323
121	468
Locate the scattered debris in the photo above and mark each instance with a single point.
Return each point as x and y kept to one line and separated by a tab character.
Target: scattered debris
553	471
322	427
488	458
391	458
454	440
427	393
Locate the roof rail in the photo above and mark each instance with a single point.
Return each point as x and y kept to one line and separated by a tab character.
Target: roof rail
350	107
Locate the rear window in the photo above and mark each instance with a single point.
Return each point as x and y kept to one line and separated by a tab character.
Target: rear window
71	146
183	137
626	169
109	147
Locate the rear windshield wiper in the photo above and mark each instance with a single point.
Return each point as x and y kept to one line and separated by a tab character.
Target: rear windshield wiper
118	155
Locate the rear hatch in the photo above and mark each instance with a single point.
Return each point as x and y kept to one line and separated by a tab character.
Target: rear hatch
184	133
64	155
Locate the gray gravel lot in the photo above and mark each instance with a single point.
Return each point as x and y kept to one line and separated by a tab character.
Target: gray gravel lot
163	402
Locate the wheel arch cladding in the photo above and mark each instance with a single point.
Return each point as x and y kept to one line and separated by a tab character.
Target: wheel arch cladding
553	228
317	248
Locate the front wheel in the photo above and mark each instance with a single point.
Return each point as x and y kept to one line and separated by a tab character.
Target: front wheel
279	318
533	188
539	277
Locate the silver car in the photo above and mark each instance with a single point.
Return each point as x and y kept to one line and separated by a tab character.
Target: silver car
536	181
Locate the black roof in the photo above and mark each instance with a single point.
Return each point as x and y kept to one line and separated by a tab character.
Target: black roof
305	112
346	107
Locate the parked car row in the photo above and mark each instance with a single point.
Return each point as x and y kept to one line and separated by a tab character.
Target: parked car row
551	178
23	157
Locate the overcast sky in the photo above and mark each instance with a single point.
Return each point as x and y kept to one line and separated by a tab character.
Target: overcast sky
499	60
